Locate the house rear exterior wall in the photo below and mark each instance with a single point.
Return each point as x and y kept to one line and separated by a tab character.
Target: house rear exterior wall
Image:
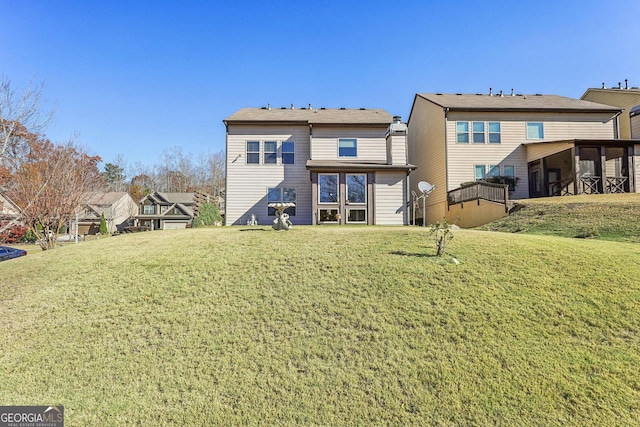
371	143
511	151
427	150
247	184
390	198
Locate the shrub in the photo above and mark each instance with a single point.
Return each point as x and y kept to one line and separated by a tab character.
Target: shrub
208	214
103	225
442	234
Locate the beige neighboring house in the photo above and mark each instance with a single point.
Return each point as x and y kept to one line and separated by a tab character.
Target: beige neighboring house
166	211
337	166
119	210
551	145
8	210
624	97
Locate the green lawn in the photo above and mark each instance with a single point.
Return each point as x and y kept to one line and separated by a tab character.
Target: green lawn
613	217
325	326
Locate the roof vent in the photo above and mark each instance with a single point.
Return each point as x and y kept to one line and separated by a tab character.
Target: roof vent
501	95
479	94
439	93
458	94
619	85
322	108
490	91
397	119
310	107
342	108
264	108
604	86
283	108
538	94
269	106
512	92
363	108
626	83
292	107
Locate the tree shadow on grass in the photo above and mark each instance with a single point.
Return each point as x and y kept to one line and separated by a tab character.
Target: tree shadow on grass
417	255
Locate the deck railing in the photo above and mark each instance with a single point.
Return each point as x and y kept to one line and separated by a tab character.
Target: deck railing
480	190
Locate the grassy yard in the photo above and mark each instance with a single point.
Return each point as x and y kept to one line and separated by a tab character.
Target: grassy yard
325	326
606	216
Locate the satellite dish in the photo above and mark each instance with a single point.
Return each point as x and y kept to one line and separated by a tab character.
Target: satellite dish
425	187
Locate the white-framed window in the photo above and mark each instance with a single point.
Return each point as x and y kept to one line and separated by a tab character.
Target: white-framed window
327	215
478	132
288	152
347	147
328	188
494	171
282	195
480	172
253	152
494	133
356	215
148	209
535	130
356	188
509	171
462	132
270	152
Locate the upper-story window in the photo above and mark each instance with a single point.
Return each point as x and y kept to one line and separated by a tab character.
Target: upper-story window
494	133
535	130
288	151
147	209
270	152
253	152
348	147
462	132
478	132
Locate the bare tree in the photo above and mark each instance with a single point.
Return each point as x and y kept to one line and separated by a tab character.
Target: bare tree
20	117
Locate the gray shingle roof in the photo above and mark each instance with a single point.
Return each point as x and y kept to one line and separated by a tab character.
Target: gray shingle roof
484	102
313	116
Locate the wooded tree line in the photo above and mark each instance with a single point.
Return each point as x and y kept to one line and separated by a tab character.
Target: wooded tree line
177	172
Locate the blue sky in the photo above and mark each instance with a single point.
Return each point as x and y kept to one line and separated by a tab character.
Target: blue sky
139	77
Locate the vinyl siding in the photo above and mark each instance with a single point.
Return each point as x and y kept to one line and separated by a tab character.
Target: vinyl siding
538	151
390	204
622	98
397	149
635	127
371	143
247	184
511	151
427	150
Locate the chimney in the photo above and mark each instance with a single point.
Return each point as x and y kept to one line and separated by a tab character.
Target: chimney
490	91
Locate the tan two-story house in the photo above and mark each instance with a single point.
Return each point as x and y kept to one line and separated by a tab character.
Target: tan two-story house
544	145
335	166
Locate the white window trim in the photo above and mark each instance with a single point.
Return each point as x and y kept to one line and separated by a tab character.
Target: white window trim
526	129
337	189
347	188
468	132
357	209
348	157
